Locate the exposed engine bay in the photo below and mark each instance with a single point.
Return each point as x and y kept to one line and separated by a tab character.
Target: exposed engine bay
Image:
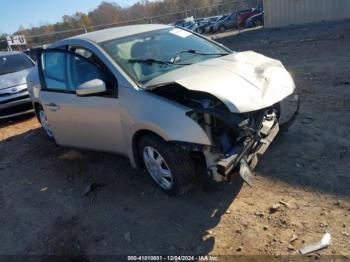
236	137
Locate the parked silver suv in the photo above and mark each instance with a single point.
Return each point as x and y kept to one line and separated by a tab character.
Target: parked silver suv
14	97
165	97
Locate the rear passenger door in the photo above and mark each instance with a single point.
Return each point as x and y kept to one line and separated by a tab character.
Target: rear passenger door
231	20
91	122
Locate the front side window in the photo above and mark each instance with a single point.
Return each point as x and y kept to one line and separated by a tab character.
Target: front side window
232	16
14	63
54	69
148	55
222	18
63	71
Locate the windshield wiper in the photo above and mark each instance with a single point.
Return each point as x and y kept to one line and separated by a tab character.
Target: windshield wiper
153	61
192	51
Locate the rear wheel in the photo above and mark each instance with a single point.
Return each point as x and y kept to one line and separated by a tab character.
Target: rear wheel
170	167
200	31
44	122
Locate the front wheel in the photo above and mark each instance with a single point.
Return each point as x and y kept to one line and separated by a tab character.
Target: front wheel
170	167
44	122
222	28
258	23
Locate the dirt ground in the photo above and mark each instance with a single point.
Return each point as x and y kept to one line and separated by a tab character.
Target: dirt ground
305	175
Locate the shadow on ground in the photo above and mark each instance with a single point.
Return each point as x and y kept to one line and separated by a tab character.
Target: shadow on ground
5	122
42	195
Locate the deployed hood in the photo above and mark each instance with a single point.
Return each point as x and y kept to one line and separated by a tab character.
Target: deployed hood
245	81
14	79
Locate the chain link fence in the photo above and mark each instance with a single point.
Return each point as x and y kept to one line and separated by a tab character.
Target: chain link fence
201	12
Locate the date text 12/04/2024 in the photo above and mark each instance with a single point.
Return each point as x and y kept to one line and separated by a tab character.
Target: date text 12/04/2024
173	258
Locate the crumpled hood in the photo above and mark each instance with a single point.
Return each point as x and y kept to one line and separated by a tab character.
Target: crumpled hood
245	81
14	79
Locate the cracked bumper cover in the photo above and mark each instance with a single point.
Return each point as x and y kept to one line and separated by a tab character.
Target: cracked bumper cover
251	149
248	152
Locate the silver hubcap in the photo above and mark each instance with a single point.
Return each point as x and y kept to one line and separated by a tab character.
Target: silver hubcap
45	123
157	167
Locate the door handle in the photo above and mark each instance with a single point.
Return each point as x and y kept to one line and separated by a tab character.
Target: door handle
53	107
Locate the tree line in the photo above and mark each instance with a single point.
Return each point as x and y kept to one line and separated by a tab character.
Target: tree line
109	14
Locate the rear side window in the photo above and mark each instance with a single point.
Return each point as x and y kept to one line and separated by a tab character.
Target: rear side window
14	63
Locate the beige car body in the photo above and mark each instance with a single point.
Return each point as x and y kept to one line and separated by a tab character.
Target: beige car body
248	82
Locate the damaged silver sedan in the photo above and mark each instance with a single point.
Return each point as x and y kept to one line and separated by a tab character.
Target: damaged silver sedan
170	100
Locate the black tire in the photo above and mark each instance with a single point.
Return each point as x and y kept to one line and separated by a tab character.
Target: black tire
38	111
222	28
258	23
277	108
178	161
200	31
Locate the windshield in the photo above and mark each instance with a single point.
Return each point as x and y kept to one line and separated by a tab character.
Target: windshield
148	55
13	63
222	18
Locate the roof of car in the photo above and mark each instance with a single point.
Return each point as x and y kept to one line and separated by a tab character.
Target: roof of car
119	32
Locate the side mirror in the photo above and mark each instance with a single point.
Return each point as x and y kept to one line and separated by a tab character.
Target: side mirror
92	87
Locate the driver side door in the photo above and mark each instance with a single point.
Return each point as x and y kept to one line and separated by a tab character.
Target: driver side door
91	121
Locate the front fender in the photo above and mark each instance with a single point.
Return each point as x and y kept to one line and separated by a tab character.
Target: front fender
163	117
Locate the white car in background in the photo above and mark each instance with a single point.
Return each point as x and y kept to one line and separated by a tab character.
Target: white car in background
14	96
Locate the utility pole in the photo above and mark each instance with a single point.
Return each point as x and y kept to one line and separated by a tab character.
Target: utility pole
9	46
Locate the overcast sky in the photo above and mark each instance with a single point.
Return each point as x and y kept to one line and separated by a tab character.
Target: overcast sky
14	13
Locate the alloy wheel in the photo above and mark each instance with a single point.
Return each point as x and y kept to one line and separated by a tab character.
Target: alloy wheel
45	123
157	167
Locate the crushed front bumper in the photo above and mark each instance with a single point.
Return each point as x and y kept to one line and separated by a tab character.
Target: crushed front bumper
244	157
